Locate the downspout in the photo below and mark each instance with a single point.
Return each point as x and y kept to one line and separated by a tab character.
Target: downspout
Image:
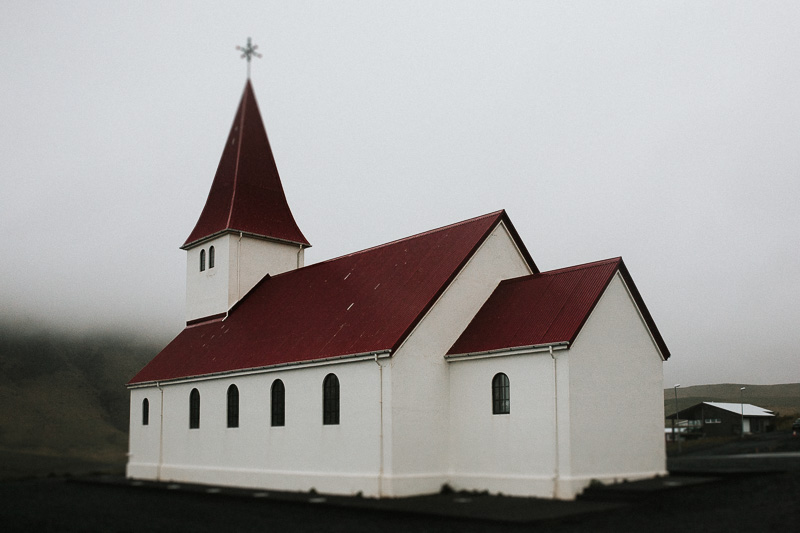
238	263
380	437
299	251
160	433
555	422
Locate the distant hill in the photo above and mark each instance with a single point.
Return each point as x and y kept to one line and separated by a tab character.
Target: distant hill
783	399
65	405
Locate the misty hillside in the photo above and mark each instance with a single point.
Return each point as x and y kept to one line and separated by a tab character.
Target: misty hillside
64	399
783	399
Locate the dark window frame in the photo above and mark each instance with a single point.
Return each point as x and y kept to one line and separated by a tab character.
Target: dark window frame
278	404
211	255
194	409
330	400
145	412
501	394
233	406
202	260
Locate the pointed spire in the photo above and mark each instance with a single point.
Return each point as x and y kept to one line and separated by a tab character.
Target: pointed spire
246	195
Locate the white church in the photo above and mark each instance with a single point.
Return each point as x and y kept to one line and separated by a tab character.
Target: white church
445	358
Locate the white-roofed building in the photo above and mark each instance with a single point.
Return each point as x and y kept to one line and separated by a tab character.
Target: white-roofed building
715	419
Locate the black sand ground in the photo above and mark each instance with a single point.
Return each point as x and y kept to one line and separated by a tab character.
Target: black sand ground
754	501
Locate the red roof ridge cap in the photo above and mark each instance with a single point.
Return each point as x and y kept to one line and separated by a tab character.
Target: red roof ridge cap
248	90
497	214
583	266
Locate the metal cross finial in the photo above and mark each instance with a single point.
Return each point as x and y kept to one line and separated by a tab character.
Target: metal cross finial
248	52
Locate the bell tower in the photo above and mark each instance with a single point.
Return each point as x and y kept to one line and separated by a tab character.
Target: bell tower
246	229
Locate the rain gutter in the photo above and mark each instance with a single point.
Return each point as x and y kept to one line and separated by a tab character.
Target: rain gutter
503	352
350	358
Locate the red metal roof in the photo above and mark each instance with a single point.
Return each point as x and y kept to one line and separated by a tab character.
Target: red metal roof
246	194
545	308
360	303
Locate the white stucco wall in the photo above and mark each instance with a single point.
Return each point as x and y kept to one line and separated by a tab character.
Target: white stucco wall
240	263
258	257
417	460
143	441
511	453
303	454
207	291
615	381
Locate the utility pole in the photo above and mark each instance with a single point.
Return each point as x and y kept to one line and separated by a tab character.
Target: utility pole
674	437
741	402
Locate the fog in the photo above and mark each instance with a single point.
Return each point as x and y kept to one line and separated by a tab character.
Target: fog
664	132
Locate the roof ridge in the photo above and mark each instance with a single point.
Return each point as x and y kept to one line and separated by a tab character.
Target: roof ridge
416	235
379	246
574	268
582	266
248	89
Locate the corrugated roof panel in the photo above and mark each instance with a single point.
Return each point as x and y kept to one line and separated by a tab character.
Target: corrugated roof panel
358	303
546	317
523	326
581	295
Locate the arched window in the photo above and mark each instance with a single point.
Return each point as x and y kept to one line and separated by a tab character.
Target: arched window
278	403
330	400
233	407
145	412
202	260
211	257
501	395
194	409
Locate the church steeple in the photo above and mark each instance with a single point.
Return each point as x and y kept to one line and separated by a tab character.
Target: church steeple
246	195
246	229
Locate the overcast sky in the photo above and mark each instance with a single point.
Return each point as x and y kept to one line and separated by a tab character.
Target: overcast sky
664	132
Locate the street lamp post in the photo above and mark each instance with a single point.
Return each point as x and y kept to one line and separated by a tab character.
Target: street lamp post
674	420
741	404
